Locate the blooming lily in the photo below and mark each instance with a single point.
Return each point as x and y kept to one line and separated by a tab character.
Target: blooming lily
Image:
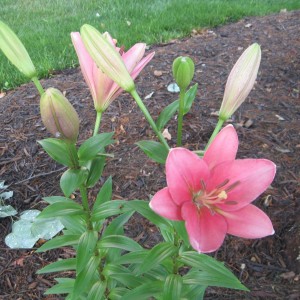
213	195
103	89
240	81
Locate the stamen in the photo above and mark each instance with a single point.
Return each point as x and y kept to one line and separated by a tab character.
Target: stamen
230	202
232	186
203	185
222	195
222	184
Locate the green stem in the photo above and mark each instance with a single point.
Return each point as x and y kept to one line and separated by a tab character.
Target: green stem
148	117
38	85
216	131
97	123
180	118
73	154
85	204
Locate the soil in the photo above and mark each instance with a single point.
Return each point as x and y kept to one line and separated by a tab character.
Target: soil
267	124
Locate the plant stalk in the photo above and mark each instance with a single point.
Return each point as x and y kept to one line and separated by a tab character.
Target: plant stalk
38	85
148	117
216	131
97	123
180	118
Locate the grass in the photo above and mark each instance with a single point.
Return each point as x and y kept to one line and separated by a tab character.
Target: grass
44	26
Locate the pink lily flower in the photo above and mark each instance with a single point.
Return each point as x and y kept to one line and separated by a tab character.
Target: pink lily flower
103	89
213	195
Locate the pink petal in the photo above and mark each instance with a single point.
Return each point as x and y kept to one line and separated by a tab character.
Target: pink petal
164	206
249	222
253	176
133	56
85	61
184	172
224	147
141	65
206	230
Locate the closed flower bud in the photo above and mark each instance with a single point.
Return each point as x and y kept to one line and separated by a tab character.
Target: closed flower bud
15	51
183	71
58	115
106	57
240	81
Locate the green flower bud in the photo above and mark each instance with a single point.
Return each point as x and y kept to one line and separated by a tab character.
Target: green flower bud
15	51
58	115
183	71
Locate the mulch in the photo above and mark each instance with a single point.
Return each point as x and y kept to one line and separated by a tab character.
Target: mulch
267	124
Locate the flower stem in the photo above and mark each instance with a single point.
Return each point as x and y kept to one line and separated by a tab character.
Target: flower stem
180	118
216	131
38	85
147	115
85	204
97	123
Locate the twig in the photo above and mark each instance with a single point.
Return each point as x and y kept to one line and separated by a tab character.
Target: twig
39	175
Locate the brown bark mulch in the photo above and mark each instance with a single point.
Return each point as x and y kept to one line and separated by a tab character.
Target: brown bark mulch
267	124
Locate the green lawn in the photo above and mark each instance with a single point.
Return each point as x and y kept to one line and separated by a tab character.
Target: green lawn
44	25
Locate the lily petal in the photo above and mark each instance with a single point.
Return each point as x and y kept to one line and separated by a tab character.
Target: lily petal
163	204
249	222
184	171
206	231
133	56
141	65
224	147
253	177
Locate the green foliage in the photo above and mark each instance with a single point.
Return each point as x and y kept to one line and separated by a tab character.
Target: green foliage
94	145
172	287
60	241
60	265
155	150
72	179
58	150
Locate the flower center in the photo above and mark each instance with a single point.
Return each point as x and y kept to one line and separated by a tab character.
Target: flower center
218	195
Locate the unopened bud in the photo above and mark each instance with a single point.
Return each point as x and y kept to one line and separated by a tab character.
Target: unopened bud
15	51
106	57
183	71
58	115
240	81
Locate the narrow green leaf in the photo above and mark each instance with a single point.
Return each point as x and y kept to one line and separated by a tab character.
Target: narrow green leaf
104	194
145	291
58	150
117	293
83	280
116	226
179	227
167	234
154	150
109	209
59	209
193	291
74	223
136	257
64	286
59	241
72	179
90	148
58	266
120	242
142	207
55	199
167	113
156	256
212	272
123	275
97	291
172	287
189	98
96	167
86	248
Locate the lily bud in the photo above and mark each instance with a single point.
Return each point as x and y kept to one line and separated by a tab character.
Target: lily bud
240	81
183	71
15	51
106	57
58	115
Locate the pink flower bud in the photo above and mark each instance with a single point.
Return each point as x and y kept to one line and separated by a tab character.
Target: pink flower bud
107	58
240	81
58	115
